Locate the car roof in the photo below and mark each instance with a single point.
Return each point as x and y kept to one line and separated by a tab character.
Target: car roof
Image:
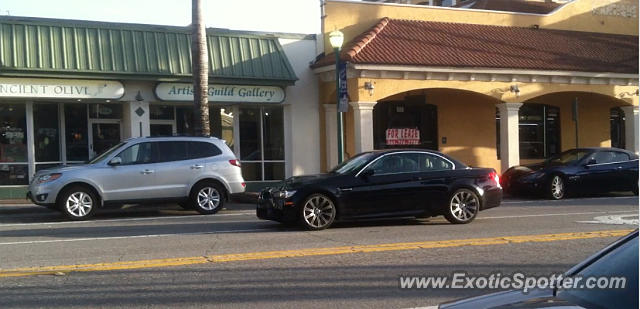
173	137
380	152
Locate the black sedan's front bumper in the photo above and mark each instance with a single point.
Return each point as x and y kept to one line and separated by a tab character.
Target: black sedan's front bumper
271	208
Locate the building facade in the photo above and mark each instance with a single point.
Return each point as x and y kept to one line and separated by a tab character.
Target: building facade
493	89
71	89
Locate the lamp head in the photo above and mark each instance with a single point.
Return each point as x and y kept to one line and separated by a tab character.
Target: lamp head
336	38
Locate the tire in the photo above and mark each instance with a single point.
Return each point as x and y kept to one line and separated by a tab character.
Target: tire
78	203
556	188
207	198
317	212
463	207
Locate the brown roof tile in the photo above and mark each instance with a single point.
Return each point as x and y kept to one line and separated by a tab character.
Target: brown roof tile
422	43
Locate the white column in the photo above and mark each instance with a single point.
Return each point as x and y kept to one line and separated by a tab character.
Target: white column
363	125
134	125
31	153
331	134
509	135
631	127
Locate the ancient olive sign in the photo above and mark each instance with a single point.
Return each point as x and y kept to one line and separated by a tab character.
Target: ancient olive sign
222	93
60	88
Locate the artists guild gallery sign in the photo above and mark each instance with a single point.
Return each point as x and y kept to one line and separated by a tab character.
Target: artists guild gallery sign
222	93
60	88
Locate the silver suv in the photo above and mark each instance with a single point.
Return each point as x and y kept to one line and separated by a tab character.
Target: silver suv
197	172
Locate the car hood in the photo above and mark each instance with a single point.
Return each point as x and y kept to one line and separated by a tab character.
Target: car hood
62	169
297	181
514	299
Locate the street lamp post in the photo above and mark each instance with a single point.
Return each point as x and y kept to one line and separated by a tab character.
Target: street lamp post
336	38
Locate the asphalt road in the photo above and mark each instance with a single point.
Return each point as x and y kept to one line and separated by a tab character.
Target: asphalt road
167	257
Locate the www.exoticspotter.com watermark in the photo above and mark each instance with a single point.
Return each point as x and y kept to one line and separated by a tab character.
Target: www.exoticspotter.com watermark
517	281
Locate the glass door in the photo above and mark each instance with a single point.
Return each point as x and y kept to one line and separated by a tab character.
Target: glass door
104	134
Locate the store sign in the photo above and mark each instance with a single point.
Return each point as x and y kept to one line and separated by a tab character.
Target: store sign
222	93
403	136
60	88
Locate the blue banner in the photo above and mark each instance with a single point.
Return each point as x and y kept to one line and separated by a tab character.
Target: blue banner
343	102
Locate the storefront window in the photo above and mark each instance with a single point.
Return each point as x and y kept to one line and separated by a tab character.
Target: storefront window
262	143
617	128
221	120
13	145
405	124
105	111
46	132
161	112
76	136
539	130
13	133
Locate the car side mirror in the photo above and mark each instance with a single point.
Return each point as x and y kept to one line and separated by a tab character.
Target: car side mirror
590	162
367	173
115	161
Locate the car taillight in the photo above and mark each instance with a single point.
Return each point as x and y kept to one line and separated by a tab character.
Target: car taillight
495	177
235	162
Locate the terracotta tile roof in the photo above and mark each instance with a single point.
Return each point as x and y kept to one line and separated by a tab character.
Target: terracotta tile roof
422	43
520	6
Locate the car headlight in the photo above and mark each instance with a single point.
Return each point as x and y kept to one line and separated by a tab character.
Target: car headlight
284	194
48	177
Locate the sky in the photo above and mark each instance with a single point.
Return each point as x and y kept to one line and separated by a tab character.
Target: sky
292	16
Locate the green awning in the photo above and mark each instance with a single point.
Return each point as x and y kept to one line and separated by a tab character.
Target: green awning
37	47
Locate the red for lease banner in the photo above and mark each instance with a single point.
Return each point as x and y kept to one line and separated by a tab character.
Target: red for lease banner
403	136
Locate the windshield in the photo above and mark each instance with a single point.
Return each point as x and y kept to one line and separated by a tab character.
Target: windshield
568	157
106	153
619	263
353	164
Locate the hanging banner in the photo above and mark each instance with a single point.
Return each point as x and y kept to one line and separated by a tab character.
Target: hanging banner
222	93
60	88
343	102
403	136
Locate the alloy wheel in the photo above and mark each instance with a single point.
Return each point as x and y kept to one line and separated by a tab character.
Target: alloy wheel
79	204
464	205
318	212
208	198
557	187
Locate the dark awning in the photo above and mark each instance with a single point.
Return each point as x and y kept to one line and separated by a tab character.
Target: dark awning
38	47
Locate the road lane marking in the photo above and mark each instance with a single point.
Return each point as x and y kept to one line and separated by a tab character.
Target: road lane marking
31	242
569	200
560	214
264	255
243	213
616	219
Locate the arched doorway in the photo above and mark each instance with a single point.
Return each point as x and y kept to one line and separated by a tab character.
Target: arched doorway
410	123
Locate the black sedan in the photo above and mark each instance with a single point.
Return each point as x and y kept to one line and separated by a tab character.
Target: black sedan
391	183
618	260
582	170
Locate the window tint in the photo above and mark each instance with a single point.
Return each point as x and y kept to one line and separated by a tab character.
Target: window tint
408	163
433	163
172	151
609	157
621	156
202	150
136	154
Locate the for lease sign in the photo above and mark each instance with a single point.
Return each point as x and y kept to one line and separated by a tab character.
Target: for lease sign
403	136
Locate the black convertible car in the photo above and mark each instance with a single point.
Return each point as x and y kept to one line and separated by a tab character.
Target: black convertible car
388	183
582	170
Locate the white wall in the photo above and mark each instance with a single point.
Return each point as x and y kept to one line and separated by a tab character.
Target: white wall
301	112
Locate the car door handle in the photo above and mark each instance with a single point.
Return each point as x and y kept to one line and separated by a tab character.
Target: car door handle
196	167
146	172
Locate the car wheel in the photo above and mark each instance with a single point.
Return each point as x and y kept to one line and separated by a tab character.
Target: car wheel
557	188
463	206
207	198
78	203
318	212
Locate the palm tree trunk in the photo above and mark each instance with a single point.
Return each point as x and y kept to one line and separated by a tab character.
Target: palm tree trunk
200	70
